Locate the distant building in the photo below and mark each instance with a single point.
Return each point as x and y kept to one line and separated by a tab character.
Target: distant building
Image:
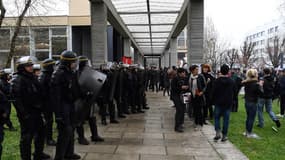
264	35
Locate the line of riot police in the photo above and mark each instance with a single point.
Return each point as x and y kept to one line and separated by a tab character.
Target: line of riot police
67	92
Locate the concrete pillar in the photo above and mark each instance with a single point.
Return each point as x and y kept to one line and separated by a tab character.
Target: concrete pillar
98	32
166	59
173	52
127	47
136	56
195	31
162	61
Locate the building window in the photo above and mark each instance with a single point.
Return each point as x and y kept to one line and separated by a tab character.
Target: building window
262	42
59	44
276	29
41	38
4	39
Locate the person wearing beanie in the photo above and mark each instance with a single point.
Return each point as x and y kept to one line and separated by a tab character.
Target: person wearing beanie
223	94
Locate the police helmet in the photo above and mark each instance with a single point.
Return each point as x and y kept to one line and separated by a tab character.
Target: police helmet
68	56
25	61
48	65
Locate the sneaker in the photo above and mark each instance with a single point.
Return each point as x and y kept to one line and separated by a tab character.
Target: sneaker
252	135
224	139
278	124
280	115
260	126
218	136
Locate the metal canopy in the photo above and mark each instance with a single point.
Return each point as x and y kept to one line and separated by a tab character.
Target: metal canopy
149	21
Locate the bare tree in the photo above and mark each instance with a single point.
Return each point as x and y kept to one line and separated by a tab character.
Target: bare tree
17	31
274	51
3	12
247	54
213	46
231	57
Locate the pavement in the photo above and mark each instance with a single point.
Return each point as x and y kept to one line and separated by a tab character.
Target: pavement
151	136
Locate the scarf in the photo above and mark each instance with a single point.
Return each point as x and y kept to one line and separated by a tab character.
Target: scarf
194	85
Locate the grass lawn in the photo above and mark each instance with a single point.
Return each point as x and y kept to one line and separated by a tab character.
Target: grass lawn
272	144
270	147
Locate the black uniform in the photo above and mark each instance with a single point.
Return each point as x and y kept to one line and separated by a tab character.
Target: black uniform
26	91
87	97
4	107
64	86
45	80
5	88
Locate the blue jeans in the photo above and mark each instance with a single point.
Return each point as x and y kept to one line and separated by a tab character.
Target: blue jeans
225	113
268	107
251	109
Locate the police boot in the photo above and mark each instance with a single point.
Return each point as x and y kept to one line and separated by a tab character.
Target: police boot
41	156
94	132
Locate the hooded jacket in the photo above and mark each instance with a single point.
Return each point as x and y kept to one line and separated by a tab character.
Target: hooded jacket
268	87
223	92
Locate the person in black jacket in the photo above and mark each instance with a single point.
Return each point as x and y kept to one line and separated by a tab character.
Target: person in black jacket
4	109
179	85
281	86
266	99
65	92
26	91
208	80
5	88
223	93
253	91
45	79
197	87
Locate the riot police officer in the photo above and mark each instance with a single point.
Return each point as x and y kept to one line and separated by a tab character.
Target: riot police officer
5	88
26	91
64	89
44	79
87	98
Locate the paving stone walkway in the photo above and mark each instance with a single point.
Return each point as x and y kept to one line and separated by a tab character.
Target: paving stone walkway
150	136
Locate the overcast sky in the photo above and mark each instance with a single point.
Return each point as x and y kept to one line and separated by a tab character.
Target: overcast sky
234	18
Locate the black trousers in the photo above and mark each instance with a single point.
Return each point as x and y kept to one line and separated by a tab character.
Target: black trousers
208	110
48	126
235	104
32	128
197	104
93	128
180	110
1	139
282	104
65	141
8	121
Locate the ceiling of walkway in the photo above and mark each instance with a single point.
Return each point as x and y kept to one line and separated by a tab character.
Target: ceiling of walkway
149	21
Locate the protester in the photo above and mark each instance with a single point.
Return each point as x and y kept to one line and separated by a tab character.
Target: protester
266	99
197	87
253	91
179	85
223	94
